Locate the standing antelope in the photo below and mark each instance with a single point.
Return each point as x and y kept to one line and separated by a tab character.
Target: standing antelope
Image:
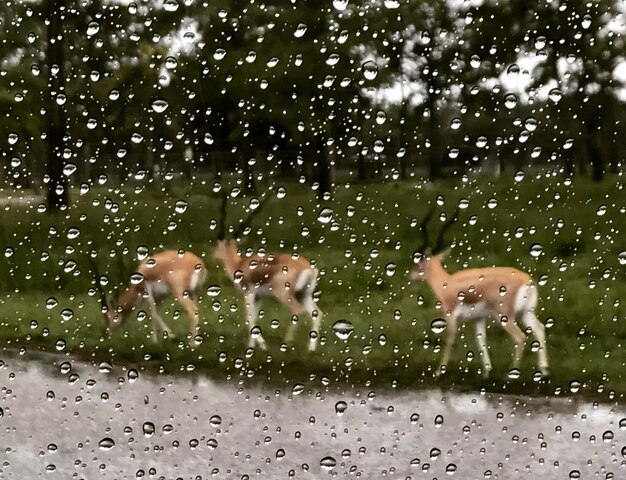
169	273
289	278
475	294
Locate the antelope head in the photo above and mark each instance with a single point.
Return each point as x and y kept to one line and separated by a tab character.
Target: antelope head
426	253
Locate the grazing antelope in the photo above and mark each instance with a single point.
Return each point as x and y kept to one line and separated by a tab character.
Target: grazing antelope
169	273
505	293
289	278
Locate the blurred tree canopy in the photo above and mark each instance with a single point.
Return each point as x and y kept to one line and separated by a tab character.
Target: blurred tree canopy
105	91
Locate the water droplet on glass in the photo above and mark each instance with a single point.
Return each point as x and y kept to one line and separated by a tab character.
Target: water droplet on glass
439	421
297	389
475	61
574	386
586	23
180	206
510	100
390	269
536	249
555	95
438	325
170	5
215	421
325	215
341	407
391	4
159	105
93	28
106	443
343	329
219	54
148	429
328	462
340	4
69	169
370	70
514	373
601	210
300	30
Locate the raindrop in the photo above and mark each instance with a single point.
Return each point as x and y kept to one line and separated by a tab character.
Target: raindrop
300	30
390	269
415	418
328	462
510	100
434	453
601	210
513	70
332	59
340	4
341	407
555	95
621	257
325	215
132	375
171	63
180	206
219	54
53	302
381	117
69	169
170	5
213	290
159	105
455	125
148	429
343	329
297	389
370	70
519	175
438	325
514	373
536	249
475	61
93	28
391	4
439	421
540	42
215	421
574	386
106	443
586	23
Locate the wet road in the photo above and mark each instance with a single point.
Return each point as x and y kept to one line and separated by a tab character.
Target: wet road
76	420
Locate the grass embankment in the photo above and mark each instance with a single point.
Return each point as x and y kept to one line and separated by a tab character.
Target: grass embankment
363	255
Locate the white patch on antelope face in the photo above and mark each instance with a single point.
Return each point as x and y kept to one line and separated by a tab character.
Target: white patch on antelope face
473	311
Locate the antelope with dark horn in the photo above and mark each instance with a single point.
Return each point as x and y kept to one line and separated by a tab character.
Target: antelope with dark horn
174	273
504	293
287	277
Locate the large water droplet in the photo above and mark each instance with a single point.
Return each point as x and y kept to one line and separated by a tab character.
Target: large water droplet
343	329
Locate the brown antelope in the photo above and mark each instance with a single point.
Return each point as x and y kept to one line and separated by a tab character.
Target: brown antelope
169	273
475	294
289	278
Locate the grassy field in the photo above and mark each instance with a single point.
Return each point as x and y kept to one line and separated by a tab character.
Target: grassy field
566	233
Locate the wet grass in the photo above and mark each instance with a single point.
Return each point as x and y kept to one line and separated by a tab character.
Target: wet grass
47	298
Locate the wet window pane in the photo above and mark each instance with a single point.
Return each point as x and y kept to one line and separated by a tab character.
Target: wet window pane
304	239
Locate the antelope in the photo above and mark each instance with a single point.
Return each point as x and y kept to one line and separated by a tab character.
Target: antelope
475	294
290	279
173	273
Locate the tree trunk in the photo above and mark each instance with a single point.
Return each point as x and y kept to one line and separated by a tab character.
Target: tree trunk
55	117
323	167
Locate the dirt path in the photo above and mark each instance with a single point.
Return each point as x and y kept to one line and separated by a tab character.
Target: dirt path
79	421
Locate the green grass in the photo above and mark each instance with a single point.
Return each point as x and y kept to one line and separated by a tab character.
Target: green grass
582	281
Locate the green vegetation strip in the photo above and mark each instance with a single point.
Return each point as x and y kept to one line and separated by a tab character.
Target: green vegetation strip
566	233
